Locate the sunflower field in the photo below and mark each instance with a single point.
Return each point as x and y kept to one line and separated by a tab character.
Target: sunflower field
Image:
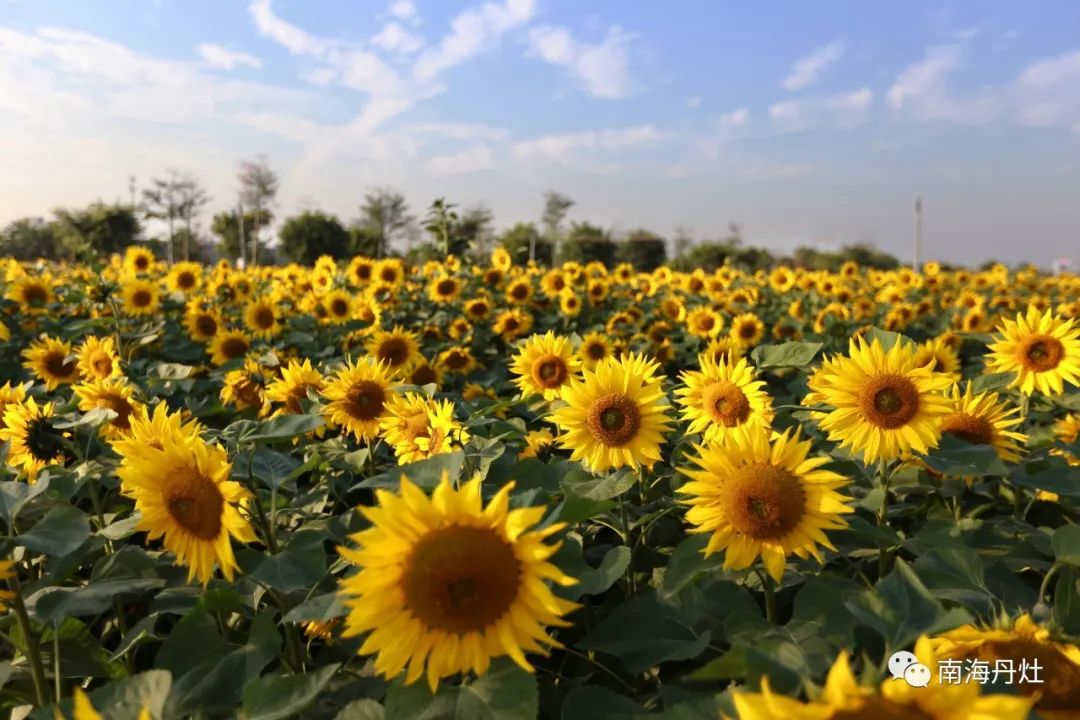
478	490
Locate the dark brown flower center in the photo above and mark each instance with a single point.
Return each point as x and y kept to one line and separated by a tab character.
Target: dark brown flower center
596	351
206	325
185	280
365	400
1042	353
234	347
58	366
763	501
747	330
393	351
975	430
264	318
194	502
726	403
35	294
446	287
141	298
339	307
101	364
889	401
614	419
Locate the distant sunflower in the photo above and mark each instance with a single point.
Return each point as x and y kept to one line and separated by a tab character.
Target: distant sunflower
292	388
183	493
261	316
418	427
704	322
1041	348
229	345
1067	429
500	258
33	442
111	394
141	297
33	293
138	260
478	308
512	324
202	323
537	442
747	330
569	303
360	270
444	289
723	398
184	277
49	360
396	348
983	419
421	373
339	305
519	291
758	497
446	584
945	359
457	360
594	348
1058	695
543	365
10	394
245	388
358	394
884	404
97	358
615	415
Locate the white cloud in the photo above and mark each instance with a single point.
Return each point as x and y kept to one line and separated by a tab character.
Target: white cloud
226	59
693	101
472	32
735	119
786	112
603	68
567	147
284	33
843	110
395	38
923	88
403	10
808	70
1047	92
469	160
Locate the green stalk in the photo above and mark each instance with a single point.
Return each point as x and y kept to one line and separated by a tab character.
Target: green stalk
883	515
33	652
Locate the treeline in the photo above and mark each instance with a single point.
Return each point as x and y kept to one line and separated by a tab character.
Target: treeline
383	227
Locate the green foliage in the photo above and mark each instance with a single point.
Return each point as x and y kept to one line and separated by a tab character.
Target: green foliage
645	250
518	239
588	243
30	239
306	237
96	230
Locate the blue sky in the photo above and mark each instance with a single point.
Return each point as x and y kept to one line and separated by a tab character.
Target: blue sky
804	123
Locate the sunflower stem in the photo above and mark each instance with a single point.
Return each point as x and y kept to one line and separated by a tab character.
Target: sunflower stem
56	666
1045	586
33	652
883	515
770	596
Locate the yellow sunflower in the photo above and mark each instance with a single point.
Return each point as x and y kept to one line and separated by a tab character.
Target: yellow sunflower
615	415
229	345
1066	429
457	360
1041	348
141	297
446	584
543	365
984	420
723	398
111	394
396	348
536	442
292	388
747	330
358	395
10	394
594	348
261	316
884	404
339	305
512	324
33	443
245	388
421	373
938	351
1058	695
444	289
202	323
183	494
184	277
7	572
704	322
151	430
519	291
50	361
33	293
98	359
569	303
758	497
418	427
138	260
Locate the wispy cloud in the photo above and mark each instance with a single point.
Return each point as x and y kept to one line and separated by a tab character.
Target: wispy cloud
602	69
404	10
469	160
735	119
1047	92
395	38
923	88
226	59
472	32
573	149
808	70
289	36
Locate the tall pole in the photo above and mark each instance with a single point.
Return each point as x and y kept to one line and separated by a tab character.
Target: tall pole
916	255
240	224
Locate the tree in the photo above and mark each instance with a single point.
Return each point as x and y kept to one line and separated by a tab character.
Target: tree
161	201
258	188
555	208
96	230
309	235
473	231
441	223
587	243
227	228
523	239
192	199
643	249
29	239
383	216
707	256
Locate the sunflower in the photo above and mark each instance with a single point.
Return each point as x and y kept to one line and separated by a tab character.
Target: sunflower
476	391
97	358
536	442
33	443
138	260
358	395
478	308
500	258
615	415
10	394
418	427
758	497
202	323
723	398
937	351
292	388
360	270
141	297
49	360
261	318
1058	695
229	345
569	303
184	277
512	324
7	572
747	330
397	348
245	388
884	404
444	289
111	394
446	584
1041	348
458	360
519	291
594	348
183	493
339	306
704	322
151	430
1066	430
984	420
421	373
33	293
543	365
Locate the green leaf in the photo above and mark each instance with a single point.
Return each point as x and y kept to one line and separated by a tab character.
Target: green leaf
425	473
887	338
585	485
193	640
505	692
61	531
300	565
362	709
123	699
992	382
273	697
958	458
598	580
1066	544
686	564
900	608
321	608
284	427
15	494
270	468
789	354
1067	601
956	574
1052	474
659	633
97	597
574	508
590	702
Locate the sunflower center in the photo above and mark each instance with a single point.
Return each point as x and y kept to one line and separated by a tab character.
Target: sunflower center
142	263
706	323
726	403
1042	353
248	392
889	401
119	405
101	364
195	503
511	324
58	366
339	307
365	400
455	360
747	331
446	287
297	394
264	318
550	371
42	441
141	298
764	501
35	294
185	281
423	375
614	419
461	579
393	351
596	351
975	430
519	292
1060	687
234	347
206	325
